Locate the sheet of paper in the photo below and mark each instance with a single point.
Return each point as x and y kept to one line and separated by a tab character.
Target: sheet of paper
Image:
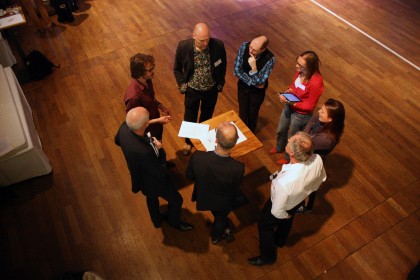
242	137
193	130
209	142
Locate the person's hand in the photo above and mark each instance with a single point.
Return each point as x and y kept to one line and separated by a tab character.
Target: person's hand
252	63
164	119
289	216
157	143
260	86
283	99
165	110
183	88
289	90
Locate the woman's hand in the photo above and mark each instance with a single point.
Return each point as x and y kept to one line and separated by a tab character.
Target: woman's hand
283	99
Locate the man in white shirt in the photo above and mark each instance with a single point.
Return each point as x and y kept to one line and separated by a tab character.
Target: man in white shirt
289	188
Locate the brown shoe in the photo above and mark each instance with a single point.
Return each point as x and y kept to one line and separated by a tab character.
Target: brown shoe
187	149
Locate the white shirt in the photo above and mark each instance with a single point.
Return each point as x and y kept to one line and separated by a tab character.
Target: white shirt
294	183
298	84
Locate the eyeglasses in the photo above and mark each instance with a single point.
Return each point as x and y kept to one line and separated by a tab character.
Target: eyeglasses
300	65
150	69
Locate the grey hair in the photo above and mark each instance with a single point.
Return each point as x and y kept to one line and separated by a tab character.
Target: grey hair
302	147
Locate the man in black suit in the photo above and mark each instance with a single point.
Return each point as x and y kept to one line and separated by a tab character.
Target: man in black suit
200	68
217	179
146	161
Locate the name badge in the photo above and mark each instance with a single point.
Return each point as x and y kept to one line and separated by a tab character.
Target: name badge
217	63
301	86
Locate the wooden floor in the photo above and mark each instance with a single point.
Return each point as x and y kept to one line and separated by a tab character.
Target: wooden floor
365	224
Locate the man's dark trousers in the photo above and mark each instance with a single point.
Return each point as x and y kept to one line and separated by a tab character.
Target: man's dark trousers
193	98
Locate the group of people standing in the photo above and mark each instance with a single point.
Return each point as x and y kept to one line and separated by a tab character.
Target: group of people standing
199	69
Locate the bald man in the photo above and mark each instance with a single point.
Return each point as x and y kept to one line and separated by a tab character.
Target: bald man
217	178
146	161
200	69
253	66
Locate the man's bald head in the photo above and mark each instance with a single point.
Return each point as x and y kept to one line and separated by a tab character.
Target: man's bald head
137	119
226	135
201	35
258	45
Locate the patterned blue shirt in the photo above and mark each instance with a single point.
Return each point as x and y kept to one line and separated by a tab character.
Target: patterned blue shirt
252	78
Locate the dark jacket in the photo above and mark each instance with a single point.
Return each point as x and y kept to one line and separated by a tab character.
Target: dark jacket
217	180
184	62
324	142
148	173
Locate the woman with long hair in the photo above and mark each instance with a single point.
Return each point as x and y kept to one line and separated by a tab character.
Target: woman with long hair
308	86
325	130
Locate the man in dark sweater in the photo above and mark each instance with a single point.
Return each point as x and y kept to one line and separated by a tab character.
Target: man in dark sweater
217	179
146	161
253	66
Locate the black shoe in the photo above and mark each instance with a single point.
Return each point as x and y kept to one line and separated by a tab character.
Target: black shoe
163	217
280	245
169	164
258	261
303	210
227	235
214	241
184	227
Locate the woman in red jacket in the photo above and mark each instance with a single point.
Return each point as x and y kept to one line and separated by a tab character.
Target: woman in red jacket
308	86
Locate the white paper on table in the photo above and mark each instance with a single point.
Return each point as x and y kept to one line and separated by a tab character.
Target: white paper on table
209	141
193	130
5	145
241	136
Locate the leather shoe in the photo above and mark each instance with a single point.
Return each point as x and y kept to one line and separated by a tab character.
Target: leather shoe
282	161
170	164
303	210
227	235
214	241
162	218
184	227
273	151
258	261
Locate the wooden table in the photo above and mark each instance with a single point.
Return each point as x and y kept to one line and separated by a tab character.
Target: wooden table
251	144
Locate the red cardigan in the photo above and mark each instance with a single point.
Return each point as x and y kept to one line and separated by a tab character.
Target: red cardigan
313	90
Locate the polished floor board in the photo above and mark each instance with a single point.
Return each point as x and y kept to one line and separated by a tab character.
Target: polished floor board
365	224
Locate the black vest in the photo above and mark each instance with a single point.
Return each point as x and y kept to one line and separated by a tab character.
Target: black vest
264	57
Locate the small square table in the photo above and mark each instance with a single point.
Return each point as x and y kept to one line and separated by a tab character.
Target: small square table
251	144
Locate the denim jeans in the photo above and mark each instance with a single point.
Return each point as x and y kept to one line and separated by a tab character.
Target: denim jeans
290	123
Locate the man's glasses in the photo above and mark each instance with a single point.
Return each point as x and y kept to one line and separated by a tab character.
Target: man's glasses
150	69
